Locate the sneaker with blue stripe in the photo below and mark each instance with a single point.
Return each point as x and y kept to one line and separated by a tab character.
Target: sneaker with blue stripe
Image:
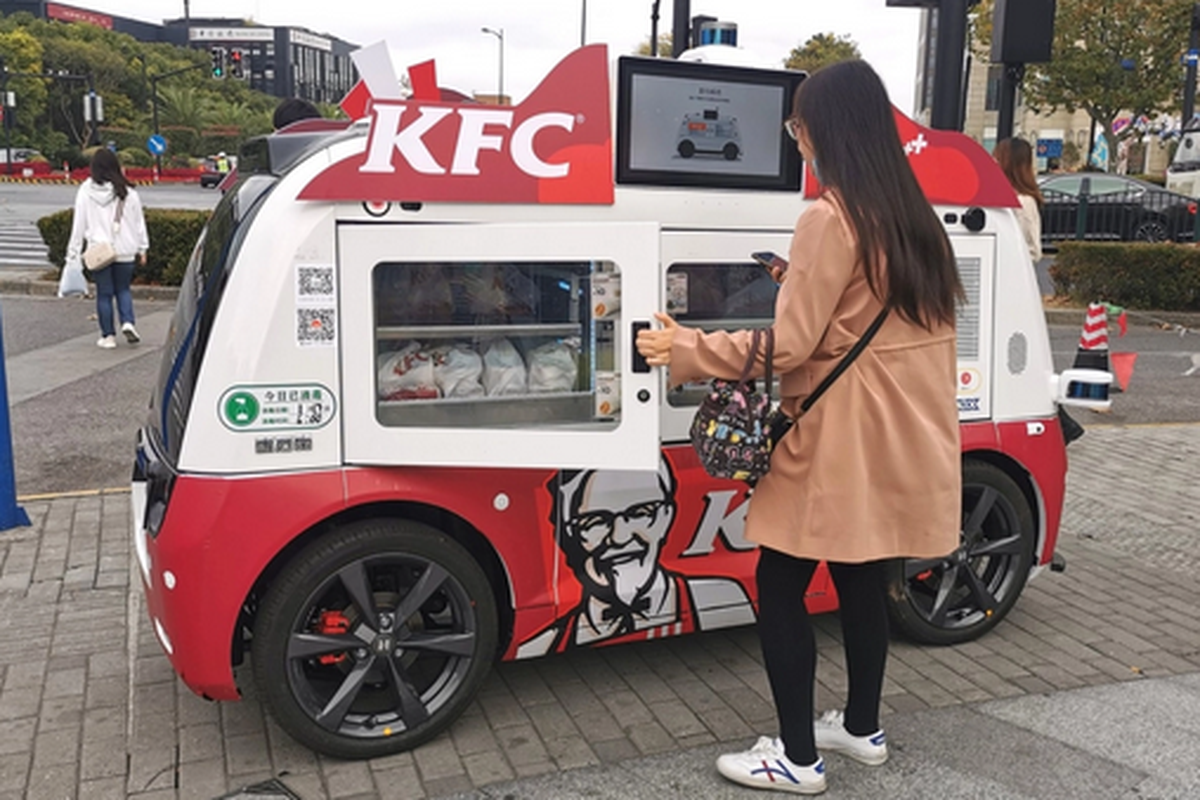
766	766
831	735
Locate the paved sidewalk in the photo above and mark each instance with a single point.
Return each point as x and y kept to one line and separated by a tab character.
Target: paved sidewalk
1047	705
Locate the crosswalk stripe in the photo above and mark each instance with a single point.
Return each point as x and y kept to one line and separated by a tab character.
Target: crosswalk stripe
21	245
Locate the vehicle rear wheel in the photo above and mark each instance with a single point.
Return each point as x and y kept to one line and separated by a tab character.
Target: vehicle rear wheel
374	639
730	151
964	595
1151	230
687	149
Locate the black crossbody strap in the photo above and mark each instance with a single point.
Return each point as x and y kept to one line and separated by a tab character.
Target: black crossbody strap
846	361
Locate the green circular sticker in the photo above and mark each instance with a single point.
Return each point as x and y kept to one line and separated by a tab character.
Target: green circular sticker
241	409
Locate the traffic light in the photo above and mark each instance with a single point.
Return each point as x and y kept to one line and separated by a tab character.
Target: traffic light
237	64
218	62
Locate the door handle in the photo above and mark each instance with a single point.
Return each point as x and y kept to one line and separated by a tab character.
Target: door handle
639	361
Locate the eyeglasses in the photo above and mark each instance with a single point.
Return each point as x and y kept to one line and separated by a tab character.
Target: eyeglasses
792	126
597	525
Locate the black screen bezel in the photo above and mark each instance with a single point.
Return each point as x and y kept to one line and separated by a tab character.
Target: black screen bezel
786	179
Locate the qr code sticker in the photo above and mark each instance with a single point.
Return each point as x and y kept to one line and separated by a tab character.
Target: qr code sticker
316	326
314	283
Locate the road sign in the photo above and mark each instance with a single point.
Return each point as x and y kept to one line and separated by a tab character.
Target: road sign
1191	57
1049	148
156	144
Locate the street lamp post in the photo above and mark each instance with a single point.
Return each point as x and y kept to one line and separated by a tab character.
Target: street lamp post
499	34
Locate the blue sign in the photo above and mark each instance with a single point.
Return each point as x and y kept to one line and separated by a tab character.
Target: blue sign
156	144
1099	156
1191	57
1049	148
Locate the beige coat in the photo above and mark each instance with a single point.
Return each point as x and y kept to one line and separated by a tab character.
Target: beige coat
872	470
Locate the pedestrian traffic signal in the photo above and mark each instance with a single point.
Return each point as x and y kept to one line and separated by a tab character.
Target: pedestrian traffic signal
237	64
218	62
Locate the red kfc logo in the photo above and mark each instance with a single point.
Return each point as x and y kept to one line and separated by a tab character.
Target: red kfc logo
556	147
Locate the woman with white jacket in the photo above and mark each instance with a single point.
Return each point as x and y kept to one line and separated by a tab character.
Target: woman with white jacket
108	209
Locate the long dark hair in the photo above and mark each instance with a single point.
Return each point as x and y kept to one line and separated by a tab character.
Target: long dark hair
845	112
107	169
1015	158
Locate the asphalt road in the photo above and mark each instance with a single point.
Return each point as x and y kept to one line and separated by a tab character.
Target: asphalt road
75	409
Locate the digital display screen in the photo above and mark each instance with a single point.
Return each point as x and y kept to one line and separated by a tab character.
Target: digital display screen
691	124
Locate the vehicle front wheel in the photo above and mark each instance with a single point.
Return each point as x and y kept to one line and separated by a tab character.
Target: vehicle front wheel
375	638
964	595
1151	230
687	149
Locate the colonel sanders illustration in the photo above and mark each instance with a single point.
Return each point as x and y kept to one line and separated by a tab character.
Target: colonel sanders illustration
612	527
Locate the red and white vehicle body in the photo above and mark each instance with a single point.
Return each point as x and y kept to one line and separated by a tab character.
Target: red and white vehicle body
378	546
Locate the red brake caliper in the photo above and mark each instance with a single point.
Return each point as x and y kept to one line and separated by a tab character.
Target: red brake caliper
330	623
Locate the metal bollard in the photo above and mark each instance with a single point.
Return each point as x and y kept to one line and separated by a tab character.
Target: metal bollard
11	514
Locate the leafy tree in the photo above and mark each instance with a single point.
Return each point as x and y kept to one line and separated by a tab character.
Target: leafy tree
821	50
22	52
666	43
1109	58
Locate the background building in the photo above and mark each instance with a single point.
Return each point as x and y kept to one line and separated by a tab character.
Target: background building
283	61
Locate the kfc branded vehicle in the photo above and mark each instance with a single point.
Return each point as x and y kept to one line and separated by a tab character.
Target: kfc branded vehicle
401	429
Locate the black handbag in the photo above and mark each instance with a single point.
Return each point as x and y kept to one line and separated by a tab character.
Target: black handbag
736	427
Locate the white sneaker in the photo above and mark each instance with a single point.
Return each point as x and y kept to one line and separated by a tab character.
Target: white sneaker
832	735
766	766
131	334
107	342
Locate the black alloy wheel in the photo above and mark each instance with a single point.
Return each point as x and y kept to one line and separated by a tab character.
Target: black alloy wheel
960	597
730	151
1151	230
687	149
375	638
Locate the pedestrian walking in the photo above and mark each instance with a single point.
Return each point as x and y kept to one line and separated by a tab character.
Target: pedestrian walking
871	473
1015	158
108	210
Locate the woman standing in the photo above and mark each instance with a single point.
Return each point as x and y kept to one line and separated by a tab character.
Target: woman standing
1015	158
871	472
108	209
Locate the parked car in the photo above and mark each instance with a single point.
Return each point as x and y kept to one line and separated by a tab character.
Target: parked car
1117	208
20	155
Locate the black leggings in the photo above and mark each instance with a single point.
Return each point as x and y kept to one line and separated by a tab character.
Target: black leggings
790	650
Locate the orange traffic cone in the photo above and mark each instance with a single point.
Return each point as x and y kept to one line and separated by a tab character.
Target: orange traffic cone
1122	364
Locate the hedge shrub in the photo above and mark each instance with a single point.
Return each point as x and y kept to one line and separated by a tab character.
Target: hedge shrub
173	234
1148	276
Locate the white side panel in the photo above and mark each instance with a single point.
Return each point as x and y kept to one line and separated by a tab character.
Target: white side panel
266	398
1023	367
629	443
975	256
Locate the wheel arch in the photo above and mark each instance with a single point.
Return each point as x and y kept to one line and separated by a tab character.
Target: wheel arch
1024	480
454	526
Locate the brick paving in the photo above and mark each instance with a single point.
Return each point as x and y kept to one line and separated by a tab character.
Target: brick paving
76	720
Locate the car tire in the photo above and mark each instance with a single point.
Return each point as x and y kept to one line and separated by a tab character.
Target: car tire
730	151
373	639
1151	230
963	596
687	149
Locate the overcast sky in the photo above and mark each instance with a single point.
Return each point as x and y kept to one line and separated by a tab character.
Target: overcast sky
537	33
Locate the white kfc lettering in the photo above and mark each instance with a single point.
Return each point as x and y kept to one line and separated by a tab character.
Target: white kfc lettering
522	145
472	139
719	520
386	135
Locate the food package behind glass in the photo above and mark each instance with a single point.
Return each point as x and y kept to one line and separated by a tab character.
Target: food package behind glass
503	369
406	374
606	295
608	394
458	370
498	292
553	367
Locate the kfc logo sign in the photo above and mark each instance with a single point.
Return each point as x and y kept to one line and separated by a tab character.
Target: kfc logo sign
555	147
389	135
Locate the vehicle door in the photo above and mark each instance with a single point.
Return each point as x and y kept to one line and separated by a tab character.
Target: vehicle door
1061	206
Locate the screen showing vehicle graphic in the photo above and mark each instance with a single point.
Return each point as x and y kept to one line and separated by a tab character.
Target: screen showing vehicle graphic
692	124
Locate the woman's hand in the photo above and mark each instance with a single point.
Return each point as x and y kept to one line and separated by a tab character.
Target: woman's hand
655	345
141	259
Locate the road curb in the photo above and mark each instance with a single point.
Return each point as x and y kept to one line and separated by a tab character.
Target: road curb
44	288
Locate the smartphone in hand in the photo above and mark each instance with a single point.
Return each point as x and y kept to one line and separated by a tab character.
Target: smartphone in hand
772	263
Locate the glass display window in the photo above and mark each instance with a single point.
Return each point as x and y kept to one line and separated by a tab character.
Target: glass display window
496	344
